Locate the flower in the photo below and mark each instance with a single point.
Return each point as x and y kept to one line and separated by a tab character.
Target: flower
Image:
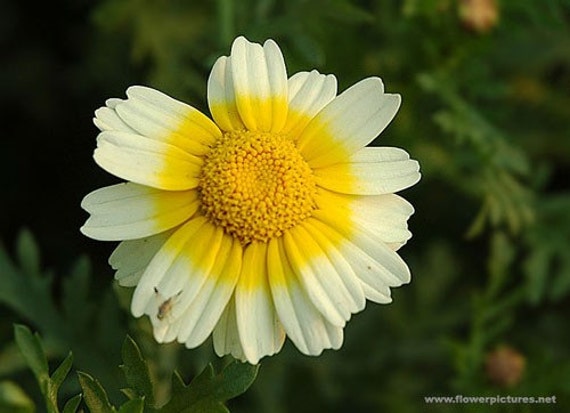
271	220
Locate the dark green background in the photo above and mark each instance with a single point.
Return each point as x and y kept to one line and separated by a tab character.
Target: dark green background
486	112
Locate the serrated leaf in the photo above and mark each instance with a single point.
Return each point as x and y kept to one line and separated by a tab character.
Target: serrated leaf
94	394
32	351
14	400
235	379
132	406
28	253
136	370
72	404
208	392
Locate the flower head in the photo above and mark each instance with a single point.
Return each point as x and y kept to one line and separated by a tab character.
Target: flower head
273	219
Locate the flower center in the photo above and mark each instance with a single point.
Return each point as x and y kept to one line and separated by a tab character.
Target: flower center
256	185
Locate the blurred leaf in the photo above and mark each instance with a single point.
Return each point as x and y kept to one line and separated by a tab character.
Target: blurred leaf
547	266
502	255
14	400
33	352
76	303
28	253
488	165
10	360
29	294
344	10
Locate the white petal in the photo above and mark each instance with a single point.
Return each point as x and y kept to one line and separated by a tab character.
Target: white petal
320	279
371	171
389	259
226	335
348	123
158	116
260	332
201	316
377	266
303	323
113	102
131	258
168	271
221	96
207	247
260	82
341	267
384	215
309	92
130	211
107	119
146	161
277	74
377	154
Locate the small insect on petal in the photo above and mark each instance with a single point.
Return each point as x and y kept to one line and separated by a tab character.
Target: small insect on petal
166	305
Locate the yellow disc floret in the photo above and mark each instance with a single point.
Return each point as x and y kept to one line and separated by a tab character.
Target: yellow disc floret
256	185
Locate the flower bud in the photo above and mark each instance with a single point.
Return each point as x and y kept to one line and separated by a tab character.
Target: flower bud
479	15
505	366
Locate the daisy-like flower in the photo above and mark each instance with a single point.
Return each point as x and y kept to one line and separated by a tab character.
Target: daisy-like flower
272	220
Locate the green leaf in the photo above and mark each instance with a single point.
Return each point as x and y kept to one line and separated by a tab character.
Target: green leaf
72	404
345	11
33	352
62	371
32	349
132	406
30	296
76	303
136	370
208	392
14	400
234	380
178	384
94	394
28	253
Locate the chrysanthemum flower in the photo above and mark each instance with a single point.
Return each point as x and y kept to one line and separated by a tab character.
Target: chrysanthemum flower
272	220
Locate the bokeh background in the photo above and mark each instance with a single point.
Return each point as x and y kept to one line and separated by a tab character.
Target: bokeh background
486	111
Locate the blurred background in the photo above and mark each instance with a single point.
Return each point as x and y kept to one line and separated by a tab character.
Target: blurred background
486	111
